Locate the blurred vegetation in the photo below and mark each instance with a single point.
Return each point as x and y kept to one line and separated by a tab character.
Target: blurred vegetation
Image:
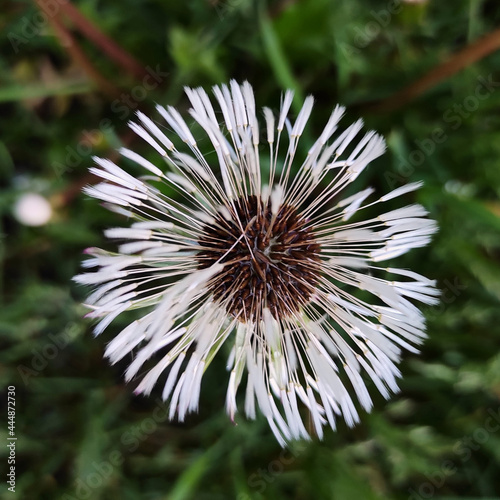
63	98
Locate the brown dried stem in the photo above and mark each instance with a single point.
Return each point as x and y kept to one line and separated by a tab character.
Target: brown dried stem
109	46
78	55
469	55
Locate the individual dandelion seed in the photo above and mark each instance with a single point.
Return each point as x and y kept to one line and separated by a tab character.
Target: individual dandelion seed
272	265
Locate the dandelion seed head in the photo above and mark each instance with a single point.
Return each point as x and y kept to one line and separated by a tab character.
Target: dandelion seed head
269	265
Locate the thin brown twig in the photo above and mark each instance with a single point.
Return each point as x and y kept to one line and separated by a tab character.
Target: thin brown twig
78	55
467	56
104	42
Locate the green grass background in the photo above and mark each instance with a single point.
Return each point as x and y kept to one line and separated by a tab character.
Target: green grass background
81	432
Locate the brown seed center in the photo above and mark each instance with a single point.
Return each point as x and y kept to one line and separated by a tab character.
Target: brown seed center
269	262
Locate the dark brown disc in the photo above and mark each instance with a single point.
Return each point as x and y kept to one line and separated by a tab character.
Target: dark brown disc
274	267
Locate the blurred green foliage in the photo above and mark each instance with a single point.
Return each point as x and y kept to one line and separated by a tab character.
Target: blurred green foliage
81	433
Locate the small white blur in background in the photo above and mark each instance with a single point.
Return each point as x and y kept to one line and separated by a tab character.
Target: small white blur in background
32	209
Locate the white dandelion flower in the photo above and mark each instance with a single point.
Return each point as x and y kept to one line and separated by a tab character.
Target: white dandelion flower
270	263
